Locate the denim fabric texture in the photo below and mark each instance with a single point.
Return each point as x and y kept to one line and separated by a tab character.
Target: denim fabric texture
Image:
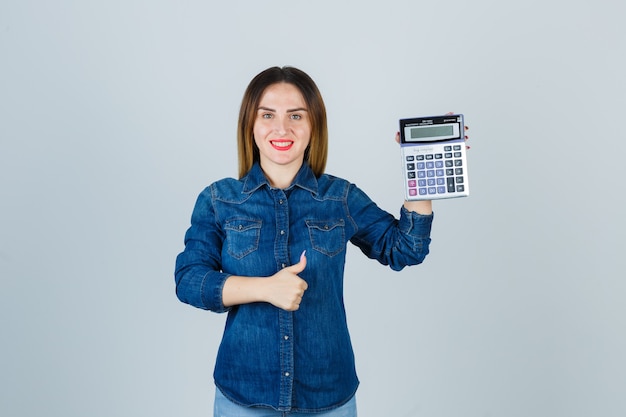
298	361
223	407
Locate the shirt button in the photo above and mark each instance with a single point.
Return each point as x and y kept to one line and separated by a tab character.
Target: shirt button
286	373
283	265
286	337
282	232
280	201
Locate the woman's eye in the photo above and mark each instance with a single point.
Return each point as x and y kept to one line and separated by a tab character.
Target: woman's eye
296	116
267	115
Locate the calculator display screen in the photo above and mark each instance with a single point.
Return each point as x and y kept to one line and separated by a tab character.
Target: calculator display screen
431	132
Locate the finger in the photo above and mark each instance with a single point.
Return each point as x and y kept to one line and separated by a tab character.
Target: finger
397	137
299	267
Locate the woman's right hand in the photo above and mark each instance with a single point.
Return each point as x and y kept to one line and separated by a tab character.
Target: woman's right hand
285	289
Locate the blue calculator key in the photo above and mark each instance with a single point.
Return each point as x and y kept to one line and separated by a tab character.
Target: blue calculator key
421	183
430	165
441	181
422	191
431	182
441	190
439	172
432	190
421	174
430	173
439	164
420	165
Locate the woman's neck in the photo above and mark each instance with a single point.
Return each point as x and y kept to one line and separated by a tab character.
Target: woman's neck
280	176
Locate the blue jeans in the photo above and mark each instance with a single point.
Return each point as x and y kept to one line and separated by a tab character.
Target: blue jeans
223	407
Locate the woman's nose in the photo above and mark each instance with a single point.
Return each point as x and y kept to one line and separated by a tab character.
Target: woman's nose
280	124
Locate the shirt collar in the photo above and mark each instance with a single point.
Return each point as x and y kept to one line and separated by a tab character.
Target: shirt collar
255	178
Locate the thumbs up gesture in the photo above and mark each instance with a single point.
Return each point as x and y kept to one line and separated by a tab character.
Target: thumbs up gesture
286	288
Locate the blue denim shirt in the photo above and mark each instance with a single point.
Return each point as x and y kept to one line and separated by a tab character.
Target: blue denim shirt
290	361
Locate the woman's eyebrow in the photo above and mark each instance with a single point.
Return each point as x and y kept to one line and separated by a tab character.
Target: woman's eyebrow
288	111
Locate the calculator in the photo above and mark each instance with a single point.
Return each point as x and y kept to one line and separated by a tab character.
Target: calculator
434	162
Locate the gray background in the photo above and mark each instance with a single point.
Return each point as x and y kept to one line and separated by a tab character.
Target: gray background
114	115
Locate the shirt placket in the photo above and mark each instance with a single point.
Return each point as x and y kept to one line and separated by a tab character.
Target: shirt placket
285	318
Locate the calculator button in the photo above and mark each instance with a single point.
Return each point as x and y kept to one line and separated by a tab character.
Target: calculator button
421	165
447	148
439	172
458	171
420	157
450	184
459	180
420	174
432	182
432	190
460	188
438	156
458	162
423	191
410	175
410	166
412	192
457	154
412	183
430	173
457	147
439	164
448	155
449	164
449	172
410	158
442	181
429	156
430	165
441	190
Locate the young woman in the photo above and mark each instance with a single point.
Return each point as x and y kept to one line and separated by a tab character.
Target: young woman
269	248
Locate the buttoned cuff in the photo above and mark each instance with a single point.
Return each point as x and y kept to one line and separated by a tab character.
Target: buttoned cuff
415	224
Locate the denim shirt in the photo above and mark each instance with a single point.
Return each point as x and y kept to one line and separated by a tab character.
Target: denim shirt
289	361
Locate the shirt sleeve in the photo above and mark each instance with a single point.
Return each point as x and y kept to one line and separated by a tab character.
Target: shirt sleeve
198	275
393	242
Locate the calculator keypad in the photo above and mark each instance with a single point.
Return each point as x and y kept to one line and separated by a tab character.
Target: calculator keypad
439	172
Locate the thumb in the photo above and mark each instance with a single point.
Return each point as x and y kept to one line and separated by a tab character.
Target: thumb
299	267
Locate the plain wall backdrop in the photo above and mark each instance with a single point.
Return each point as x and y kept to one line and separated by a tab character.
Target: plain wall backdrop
115	114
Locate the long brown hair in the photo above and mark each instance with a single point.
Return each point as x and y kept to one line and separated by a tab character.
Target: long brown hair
317	152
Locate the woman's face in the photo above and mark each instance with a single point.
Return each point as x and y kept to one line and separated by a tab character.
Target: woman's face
282	128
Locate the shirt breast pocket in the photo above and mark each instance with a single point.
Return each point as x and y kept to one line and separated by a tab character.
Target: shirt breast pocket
327	236
242	236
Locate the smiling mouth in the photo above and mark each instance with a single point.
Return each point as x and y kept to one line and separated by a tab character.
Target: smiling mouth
282	145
